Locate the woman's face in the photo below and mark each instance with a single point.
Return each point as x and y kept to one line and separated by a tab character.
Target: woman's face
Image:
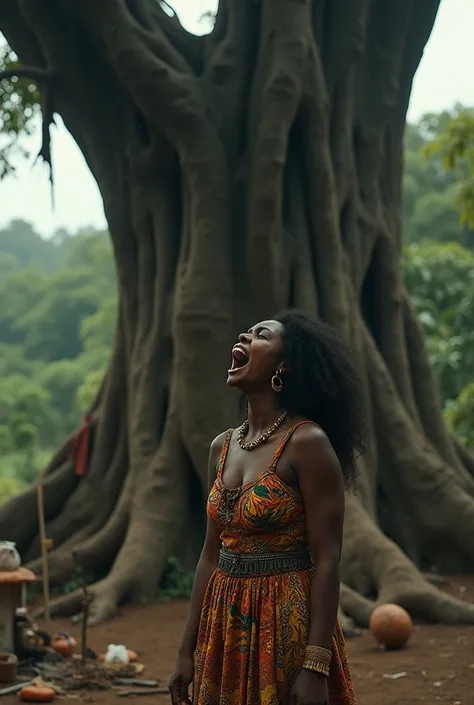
257	356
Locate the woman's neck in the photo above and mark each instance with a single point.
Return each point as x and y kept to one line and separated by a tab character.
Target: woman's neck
263	411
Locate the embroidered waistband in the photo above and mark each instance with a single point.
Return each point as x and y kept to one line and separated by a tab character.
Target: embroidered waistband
242	565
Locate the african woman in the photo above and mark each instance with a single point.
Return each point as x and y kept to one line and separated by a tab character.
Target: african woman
262	626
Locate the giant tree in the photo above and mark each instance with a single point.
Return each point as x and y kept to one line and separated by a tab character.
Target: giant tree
255	168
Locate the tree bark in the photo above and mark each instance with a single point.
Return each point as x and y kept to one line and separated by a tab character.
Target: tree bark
268	151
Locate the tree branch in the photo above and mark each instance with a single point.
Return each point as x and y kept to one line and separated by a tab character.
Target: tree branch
321	196
185	48
276	95
35	73
167	96
229	61
19	35
150	25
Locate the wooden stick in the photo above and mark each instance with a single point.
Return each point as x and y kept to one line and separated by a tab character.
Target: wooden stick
44	551
85	604
15	688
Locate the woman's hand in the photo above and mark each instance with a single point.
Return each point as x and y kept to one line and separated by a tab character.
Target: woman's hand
310	688
181	680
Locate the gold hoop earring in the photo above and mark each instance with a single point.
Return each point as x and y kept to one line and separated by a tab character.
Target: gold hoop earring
277	382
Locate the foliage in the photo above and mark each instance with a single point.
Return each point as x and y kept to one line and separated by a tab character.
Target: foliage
440	279
19	106
87	391
460	415
9	487
455	145
20	292
19	469
56	329
62	380
24	410
430	193
19	242
176	582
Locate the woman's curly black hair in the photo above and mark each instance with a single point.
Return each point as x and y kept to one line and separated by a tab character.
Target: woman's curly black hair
322	385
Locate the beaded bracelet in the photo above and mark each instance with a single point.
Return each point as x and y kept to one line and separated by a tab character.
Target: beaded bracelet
317	659
316	668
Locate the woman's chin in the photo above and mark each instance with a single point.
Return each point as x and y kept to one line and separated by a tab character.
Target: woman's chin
235	377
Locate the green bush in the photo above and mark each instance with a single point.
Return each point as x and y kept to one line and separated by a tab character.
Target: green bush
176	582
9	487
440	279
460	415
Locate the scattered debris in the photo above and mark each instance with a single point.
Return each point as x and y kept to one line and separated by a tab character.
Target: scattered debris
134	693
395	676
136	682
76	674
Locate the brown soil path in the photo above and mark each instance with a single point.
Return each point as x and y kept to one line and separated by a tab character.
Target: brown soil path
438	665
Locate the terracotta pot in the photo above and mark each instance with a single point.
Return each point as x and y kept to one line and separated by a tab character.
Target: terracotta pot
63	644
8	668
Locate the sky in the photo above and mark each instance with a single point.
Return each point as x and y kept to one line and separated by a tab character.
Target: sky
438	85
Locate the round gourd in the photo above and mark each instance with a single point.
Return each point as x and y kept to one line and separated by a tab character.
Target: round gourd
391	626
37	694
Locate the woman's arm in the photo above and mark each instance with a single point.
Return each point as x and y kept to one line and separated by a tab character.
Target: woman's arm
322	487
207	562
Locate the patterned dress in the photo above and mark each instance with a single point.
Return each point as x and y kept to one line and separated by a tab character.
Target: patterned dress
254	630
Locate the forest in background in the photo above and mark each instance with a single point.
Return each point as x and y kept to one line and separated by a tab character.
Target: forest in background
59	303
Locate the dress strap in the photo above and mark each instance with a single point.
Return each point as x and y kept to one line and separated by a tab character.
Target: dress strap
284	441
224	451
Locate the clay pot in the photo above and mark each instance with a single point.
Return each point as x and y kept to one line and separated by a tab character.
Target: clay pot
63	644
8	668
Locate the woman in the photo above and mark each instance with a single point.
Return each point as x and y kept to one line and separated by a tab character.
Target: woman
262	626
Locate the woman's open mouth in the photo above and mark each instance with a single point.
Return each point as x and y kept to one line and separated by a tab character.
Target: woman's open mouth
239	359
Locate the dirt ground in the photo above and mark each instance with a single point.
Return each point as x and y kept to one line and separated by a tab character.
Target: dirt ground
436	667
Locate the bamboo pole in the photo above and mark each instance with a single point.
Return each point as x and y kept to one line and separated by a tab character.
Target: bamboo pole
44	551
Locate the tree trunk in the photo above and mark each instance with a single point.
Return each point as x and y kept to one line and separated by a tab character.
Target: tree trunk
252	169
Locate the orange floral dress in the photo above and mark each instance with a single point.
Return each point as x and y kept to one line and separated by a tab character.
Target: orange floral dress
254	630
